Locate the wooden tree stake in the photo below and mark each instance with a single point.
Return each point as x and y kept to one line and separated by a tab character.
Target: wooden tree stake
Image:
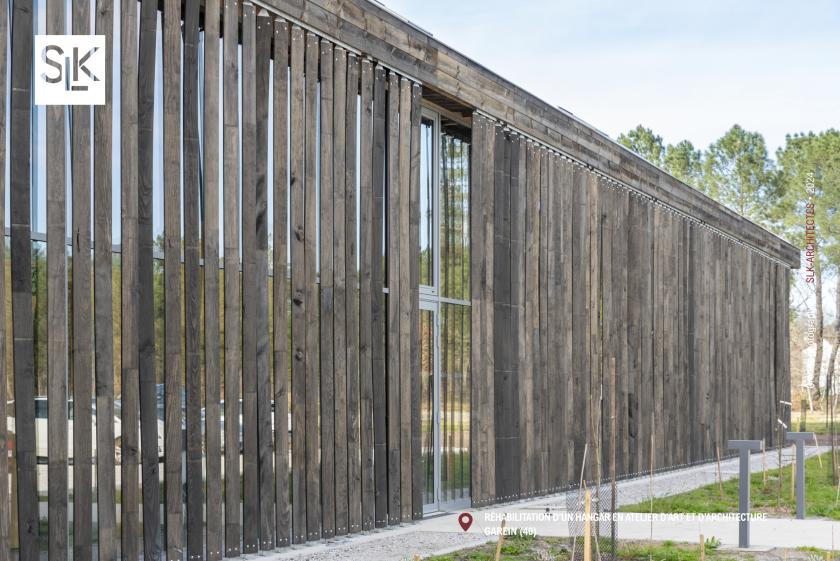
502	535
702	548
587	529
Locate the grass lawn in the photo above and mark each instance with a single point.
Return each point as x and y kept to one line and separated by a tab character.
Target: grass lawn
820	494
522	548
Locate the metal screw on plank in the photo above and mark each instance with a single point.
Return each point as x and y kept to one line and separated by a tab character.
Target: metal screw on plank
744	447
798	439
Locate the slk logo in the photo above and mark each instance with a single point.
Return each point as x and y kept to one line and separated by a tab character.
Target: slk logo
69	70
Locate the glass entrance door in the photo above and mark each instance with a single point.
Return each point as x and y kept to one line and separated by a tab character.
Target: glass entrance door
444	410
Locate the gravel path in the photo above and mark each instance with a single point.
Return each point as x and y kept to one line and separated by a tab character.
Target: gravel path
432	535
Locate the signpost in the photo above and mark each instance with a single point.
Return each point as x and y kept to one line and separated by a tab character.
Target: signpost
744	447
799	439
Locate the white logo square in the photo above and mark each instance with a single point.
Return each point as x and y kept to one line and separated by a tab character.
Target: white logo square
69	70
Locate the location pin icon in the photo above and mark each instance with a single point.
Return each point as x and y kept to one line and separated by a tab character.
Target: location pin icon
465	519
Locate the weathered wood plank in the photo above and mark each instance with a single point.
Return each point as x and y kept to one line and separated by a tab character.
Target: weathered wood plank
129	296
367	262
529	387
580	322
566	188
297	216
5	502
82	321
250	303
5	499
346	379
481	228
417	476
394	294
502	340
173	369
21	278
265	437
540	382
103	300
145	264
281	270
232	301
377	314
595	341
555	381
212	383
57	482
192	284
313	469
404	274
518	186
327	310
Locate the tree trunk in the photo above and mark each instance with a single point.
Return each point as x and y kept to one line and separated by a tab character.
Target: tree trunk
815	379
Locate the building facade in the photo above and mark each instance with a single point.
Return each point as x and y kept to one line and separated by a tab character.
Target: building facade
311	272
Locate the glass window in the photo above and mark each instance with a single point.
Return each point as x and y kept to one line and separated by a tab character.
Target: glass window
454	211
427	202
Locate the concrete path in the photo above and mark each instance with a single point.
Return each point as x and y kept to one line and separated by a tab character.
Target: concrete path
547	516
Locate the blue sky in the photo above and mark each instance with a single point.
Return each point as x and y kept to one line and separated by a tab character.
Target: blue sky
687	70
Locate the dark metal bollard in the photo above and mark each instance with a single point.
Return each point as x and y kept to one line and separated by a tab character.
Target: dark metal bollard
744	447
798	439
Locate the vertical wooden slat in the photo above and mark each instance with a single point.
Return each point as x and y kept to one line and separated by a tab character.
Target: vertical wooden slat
327	310
173	374
313	471
404	170
212	384
21	264
502	342
377	314
5	502
481	230
297	178
57	483
554	373
580	322
232	312
566	187
248	132
594	283
518	184
540	387
103	265
356	383
82	320
129	357
263	396
345	416
145	267
192	285
530	354
364	322
393	236
281	340
417	476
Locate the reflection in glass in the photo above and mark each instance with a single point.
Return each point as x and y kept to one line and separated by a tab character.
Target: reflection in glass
454	211
427	407
455	402
427	203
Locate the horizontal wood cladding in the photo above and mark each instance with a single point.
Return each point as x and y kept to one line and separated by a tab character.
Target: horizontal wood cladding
376	32
576	277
